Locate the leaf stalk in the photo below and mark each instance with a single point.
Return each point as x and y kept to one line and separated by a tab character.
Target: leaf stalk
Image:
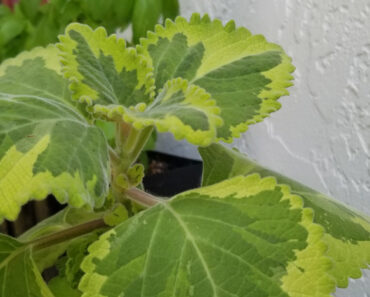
67	234
142	197
133	146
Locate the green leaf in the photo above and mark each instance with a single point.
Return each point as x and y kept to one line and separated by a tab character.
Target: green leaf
171	9
69	265
118	215
4	10
102	70
135	175
19	276
243	73
109	130
99	9
221	163
185	110
65	12
123	11
64	219
46	144
118	82
30	8
243	237
10	27
44	33
144	17
347	232
61	288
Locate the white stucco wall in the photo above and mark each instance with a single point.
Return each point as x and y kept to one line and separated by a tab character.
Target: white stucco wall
321	136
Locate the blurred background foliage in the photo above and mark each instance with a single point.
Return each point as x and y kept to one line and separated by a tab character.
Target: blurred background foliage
25	24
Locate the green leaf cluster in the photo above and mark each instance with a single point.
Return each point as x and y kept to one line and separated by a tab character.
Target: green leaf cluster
32	23
74	118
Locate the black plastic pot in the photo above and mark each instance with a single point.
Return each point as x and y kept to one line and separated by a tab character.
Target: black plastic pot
169	175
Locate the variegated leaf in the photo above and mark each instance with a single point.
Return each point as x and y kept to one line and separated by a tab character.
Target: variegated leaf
347	232
119	84
22	260
19	276
243	237
46	144
244	73
102	70
185	110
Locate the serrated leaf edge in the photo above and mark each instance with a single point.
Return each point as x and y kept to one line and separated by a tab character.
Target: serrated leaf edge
69	62
281	72
171	123
92	281
38	51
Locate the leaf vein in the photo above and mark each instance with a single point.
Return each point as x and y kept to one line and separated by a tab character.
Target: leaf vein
191	239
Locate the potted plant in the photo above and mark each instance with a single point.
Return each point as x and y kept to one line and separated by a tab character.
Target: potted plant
246	232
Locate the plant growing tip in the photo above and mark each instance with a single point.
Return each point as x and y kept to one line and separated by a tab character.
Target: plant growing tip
247	231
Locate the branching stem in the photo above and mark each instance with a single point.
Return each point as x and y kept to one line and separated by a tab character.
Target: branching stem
135	194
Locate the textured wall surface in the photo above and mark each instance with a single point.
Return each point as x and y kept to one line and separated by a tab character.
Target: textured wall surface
321	136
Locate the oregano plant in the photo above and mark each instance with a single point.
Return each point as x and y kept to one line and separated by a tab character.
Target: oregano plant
246	231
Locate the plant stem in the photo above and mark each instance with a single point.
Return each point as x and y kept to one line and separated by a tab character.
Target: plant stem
122	132
133	146
129	144
142	139
142	197
67	234
113	155
134	194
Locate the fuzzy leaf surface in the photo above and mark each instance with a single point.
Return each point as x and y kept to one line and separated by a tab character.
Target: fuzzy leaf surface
102	70
119	84
347	232
19	276
185	110
244	73
243	237
46	143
